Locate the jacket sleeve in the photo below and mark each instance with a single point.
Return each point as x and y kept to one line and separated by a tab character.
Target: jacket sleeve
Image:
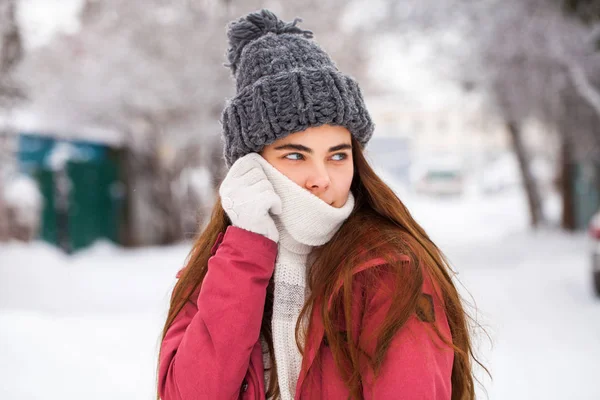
417	365
205	353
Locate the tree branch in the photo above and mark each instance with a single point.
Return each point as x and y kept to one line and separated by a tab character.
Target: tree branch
583	85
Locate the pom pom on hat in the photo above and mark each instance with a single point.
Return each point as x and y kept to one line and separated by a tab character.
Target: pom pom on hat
253	26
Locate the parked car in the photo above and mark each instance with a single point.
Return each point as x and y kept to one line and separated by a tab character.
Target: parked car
595	234
441	182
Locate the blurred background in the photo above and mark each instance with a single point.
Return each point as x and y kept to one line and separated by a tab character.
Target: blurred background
488	128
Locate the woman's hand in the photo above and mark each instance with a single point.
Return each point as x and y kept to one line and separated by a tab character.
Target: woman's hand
248	197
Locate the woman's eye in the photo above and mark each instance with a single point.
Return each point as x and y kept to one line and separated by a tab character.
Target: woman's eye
294	156
339	157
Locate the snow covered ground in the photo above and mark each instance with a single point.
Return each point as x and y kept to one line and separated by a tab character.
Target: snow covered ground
87	326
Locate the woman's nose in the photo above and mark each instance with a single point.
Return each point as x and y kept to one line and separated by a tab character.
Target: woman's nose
318	181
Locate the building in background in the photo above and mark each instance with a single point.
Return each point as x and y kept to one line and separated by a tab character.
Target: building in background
420	140
82	186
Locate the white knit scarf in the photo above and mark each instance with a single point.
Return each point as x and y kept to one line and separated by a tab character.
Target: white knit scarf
306	222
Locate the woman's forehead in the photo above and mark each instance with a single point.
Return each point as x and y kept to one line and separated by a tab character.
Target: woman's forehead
324	135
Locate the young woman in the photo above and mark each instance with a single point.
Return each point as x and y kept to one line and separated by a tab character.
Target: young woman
311	280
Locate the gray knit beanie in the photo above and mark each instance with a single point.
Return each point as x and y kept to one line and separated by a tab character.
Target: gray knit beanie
285	83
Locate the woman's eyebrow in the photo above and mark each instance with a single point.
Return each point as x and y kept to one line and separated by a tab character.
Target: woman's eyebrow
291	146
299	147
339	147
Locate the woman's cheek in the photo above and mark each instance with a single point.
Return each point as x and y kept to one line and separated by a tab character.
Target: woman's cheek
343	181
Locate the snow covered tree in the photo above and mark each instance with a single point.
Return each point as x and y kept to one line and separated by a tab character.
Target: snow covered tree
582	106
10	94
535	60
147	71
11	51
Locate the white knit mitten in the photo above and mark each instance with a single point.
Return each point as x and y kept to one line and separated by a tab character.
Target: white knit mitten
248	197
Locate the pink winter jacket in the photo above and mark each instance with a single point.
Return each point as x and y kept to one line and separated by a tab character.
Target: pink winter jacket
212	350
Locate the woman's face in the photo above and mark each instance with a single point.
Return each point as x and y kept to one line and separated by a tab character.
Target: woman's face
318	159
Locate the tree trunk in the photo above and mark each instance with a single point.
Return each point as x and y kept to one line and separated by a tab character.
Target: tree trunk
566	187
533	195
11	49
11	53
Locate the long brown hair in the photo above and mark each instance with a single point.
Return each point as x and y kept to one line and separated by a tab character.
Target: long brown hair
379	226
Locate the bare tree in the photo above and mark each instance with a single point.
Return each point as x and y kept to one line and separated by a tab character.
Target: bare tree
534	56
581	122
10	93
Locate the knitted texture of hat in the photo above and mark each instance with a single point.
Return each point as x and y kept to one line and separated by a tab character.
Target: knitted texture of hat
285	83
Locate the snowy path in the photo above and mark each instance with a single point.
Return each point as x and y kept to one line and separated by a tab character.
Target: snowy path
87	327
